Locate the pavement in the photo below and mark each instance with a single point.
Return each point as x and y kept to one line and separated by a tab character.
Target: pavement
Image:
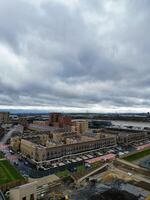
45	180
134	176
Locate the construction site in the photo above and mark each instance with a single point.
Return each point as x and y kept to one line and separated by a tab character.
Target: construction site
117	179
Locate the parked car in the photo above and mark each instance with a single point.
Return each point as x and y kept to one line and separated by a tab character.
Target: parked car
72	169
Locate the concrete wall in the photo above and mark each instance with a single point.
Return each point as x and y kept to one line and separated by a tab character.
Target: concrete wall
25	191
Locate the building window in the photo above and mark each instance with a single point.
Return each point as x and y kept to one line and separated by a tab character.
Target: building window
32	197
24	198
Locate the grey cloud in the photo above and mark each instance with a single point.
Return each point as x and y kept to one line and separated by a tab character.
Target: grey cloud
82	56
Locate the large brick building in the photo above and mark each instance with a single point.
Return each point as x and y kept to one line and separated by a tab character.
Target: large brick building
53	150
59	120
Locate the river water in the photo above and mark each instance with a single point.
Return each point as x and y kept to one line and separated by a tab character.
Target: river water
131	123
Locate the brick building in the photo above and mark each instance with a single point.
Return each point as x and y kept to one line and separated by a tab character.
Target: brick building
58	120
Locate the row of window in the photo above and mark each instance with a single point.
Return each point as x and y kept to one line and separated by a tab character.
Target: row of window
76	149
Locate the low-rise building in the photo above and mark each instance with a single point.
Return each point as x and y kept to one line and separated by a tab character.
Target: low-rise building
33	190
127	136
130	138
24	192
4	117
15	143
79	126
41	123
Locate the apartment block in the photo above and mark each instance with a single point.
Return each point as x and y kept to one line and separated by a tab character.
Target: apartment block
79	126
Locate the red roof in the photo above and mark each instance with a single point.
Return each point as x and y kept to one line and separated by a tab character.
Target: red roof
143	146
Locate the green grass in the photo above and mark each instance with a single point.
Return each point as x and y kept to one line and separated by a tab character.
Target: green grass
80	168
1	155
96	164
64	173
8	173
137	155
67	173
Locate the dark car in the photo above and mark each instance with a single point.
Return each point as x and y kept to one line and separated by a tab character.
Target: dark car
72	169
20	159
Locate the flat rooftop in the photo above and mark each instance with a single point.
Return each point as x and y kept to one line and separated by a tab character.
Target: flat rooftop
43	128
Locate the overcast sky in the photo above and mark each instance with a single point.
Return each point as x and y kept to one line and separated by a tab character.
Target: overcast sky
75	55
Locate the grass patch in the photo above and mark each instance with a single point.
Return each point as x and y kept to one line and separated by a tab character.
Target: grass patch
80	168
67	173
96	164
8	173
137	155
1	155
64	173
